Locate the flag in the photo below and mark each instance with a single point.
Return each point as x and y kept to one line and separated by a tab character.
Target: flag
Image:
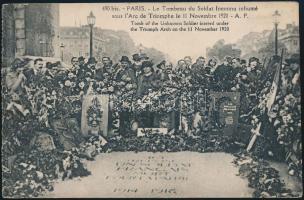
273	90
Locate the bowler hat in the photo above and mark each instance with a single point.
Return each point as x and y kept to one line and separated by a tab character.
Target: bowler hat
81	58
136	57
92	60
146	64
124	59
161	63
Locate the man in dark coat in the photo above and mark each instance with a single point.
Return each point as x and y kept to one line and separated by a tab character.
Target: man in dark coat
198	72
35	75
105	70
105	76
91	67
249	85
82	68
125	75
222	75
137	64
235	73
75	66
162	73
125	86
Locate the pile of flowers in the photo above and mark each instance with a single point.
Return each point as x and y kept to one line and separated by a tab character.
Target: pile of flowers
33	173
264	179
283	121
172	143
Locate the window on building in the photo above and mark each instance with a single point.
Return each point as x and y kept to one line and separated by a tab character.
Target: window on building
295	42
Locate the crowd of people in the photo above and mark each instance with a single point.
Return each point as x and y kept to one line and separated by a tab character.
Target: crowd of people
129	81
141	75
42	96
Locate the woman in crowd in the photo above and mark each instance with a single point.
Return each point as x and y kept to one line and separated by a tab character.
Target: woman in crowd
147	81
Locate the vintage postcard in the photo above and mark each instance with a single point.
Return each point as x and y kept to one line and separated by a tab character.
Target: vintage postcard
143	99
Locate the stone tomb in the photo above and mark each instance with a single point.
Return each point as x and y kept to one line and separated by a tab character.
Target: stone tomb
162	175
94	116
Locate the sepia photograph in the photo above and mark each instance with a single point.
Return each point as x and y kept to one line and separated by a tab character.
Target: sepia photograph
151	100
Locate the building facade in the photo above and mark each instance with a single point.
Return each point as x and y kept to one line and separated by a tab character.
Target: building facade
290	38
75	42
30	29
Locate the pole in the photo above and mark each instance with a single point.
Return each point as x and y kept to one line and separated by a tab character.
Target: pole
276	39
61	54
91	41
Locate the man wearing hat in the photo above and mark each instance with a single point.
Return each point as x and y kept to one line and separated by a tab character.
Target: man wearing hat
125	75
81	60
137	64
91	67
125	84
243	63
162	73
82	68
